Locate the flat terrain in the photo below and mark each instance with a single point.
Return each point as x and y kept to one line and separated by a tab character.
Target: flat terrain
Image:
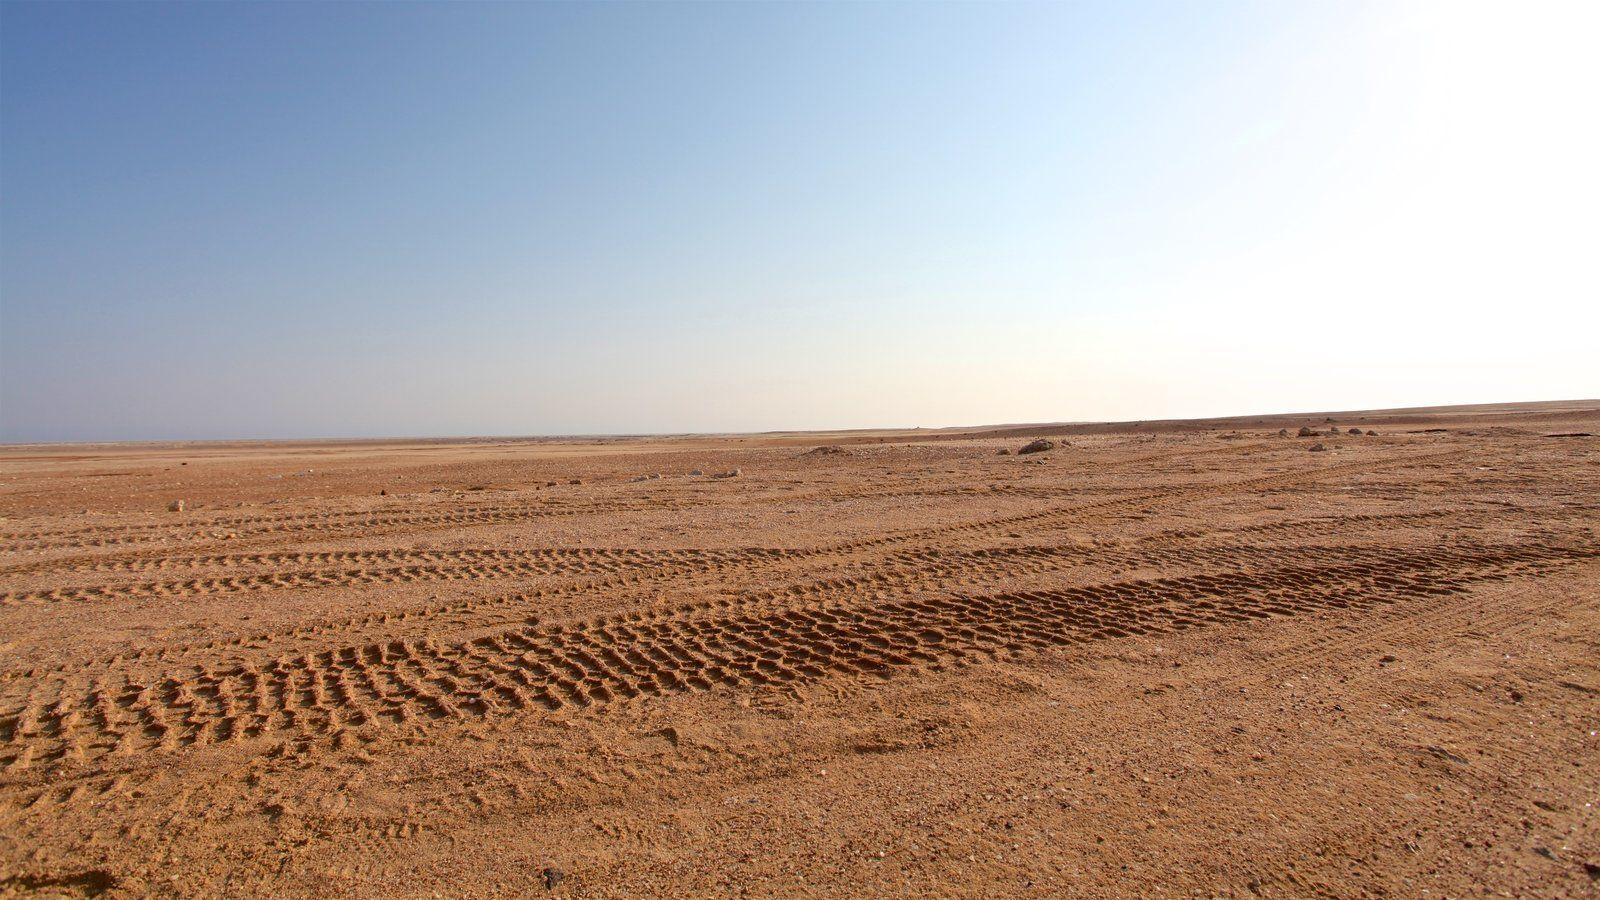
1164	658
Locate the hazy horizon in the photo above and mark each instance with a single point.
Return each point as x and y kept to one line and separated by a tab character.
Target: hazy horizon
315	220
890	427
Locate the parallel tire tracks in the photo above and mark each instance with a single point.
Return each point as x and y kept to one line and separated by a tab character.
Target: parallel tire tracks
544	669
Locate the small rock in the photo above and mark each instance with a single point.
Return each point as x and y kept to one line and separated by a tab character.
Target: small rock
551	877
696	473
1386	659
1371	433
1283	432
829	450
1003	451
1305	431
731	473
176	506
1041	445
1317	447
576	481
1355	431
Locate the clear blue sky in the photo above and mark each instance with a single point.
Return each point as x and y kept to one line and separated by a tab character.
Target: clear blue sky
303	219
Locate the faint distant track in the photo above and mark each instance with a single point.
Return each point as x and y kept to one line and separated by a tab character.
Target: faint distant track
438	565
456	565
380	521
406	574
364	522
1135	502
605	660
599	557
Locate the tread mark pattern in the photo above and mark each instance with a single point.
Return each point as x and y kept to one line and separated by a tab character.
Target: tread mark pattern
453	565
606	660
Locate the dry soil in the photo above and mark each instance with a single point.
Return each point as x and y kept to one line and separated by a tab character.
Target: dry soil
1164	658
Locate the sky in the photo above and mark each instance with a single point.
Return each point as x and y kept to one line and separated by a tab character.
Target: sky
330	220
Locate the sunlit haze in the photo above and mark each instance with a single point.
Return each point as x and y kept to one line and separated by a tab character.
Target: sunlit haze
298	220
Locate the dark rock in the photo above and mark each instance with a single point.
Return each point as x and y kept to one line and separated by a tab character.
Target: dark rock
1305	431
1003	451
551	877
1041	445
1355	431
1317	447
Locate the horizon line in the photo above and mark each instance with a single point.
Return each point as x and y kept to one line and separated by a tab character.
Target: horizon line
618	436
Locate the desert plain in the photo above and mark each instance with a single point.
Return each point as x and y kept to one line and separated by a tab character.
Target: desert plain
1187	658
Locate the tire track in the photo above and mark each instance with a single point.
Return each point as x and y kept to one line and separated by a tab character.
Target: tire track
373	557
362	522
367	521
442	565
545	669
907	570
644	578
1044	518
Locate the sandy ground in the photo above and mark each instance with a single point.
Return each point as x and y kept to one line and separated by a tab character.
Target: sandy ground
1163	659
